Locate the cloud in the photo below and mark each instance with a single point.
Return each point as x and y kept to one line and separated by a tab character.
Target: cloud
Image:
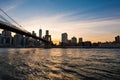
94	14
89	30
11	4
10	7
77	20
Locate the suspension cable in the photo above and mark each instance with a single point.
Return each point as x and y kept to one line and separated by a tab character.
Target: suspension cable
4	18
10	17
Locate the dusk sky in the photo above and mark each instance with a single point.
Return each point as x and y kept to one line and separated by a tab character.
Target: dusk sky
94	20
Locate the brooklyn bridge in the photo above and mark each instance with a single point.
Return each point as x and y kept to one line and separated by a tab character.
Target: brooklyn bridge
7	25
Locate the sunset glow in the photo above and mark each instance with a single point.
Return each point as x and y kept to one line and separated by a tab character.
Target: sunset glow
95	21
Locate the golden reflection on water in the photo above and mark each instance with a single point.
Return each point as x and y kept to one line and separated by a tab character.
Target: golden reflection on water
59	64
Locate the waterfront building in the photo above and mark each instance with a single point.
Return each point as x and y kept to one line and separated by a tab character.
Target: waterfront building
74	40
18	40
40	33
39	43
33	33
117	39
69	41
80	40
87	44
6	38
47	32
109	45
64	38
24	41
47	36
33	41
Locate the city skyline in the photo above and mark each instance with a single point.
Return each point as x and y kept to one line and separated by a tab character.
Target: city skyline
96	20
20	41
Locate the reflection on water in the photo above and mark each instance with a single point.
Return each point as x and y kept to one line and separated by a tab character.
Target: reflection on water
59	64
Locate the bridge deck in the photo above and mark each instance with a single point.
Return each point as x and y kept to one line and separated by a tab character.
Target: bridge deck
10	27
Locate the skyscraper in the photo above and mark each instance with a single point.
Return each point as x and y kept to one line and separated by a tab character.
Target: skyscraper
47	32
6	38
47	36
33	33
64	38
32	40
18	40
40	33
74	40
117	39
80	40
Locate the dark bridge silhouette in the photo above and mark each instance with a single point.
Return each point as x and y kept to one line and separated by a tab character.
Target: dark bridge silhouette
13	28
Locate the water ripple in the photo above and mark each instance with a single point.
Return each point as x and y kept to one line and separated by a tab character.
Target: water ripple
59	64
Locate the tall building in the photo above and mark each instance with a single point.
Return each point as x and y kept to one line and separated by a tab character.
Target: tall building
24	41
32	40
6	38
40	33
117	39
33	33
47	32
18	40
47	36
74	40
64	38
80	40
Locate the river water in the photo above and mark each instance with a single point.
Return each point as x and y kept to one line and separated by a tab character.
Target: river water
59	64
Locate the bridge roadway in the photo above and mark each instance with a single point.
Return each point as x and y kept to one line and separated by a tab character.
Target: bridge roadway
10	27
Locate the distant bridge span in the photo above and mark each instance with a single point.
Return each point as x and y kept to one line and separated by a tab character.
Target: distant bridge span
10	27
